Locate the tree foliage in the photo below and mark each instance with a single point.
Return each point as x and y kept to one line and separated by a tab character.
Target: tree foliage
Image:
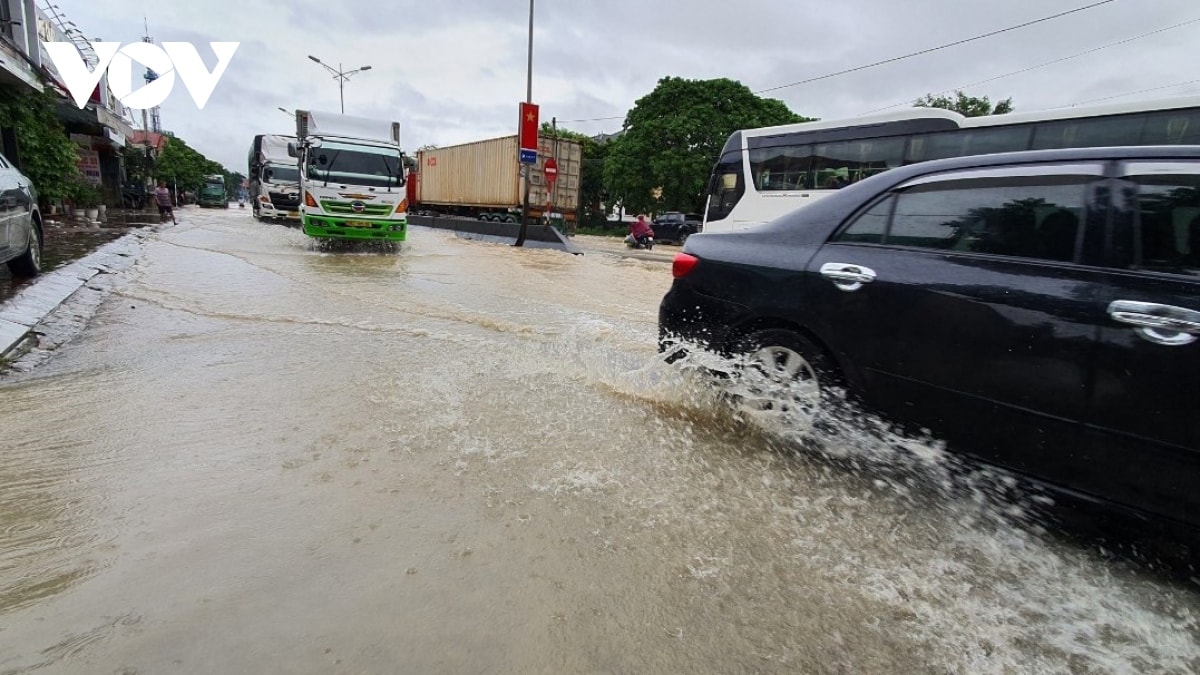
673	136
47	154
180	165
967	106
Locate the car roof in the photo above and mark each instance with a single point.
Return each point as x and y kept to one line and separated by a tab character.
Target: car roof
1066	154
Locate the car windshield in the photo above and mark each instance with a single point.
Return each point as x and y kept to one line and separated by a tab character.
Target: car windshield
356	165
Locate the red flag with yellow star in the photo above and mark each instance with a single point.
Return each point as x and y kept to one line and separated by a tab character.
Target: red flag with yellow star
529	127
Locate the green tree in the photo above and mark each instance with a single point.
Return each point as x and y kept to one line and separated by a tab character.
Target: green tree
47	154
673	136
967	106
182	166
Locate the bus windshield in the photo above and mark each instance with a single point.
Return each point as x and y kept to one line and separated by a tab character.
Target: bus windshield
365	165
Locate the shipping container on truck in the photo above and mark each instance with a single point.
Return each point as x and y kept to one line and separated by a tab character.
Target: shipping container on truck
482	180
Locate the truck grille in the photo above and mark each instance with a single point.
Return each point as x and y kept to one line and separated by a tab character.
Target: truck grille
285	202
344	209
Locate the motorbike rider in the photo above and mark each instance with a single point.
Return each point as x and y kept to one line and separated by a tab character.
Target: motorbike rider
640	231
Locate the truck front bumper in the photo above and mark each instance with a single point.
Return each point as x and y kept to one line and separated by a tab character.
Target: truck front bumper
330	227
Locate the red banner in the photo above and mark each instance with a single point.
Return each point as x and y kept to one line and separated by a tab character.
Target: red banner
529	127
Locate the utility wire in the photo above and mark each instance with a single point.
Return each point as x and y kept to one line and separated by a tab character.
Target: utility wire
934	49
1040	65
905	56
1131	93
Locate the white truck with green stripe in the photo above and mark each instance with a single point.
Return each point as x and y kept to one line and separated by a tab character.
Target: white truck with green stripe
351	177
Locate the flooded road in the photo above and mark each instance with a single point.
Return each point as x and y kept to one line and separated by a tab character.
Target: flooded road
462	457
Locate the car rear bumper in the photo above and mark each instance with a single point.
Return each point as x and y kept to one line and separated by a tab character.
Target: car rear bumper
685	316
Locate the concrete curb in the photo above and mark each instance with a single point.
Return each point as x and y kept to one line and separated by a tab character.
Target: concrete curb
537	236
24	311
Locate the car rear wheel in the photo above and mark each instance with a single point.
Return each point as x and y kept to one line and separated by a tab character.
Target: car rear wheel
783	381
29	263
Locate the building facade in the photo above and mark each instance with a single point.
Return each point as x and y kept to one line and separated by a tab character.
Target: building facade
101	129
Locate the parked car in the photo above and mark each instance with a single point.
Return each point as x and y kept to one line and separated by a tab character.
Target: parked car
675	227
21	237
1039	311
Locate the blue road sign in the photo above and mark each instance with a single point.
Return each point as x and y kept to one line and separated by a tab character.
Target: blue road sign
528	156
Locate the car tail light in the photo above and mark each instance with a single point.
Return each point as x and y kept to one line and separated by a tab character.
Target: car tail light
683	265
309	201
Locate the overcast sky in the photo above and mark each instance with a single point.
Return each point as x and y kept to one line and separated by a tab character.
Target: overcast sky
454	70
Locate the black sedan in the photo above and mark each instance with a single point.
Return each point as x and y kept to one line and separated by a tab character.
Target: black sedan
1039	311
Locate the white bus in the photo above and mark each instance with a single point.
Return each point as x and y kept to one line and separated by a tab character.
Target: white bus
764	173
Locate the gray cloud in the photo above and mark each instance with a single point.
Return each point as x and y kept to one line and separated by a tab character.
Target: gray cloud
454	70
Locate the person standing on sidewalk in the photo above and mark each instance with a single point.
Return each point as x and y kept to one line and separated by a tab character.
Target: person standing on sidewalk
163	196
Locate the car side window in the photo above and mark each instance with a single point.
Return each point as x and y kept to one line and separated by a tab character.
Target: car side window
1035	217
870	226
1167	217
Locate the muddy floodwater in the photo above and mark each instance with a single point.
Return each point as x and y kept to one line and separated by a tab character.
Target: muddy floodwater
259	457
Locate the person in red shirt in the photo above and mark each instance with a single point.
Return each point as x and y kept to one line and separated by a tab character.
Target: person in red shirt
639	230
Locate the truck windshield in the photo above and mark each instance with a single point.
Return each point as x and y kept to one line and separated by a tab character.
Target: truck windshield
356	165
281	174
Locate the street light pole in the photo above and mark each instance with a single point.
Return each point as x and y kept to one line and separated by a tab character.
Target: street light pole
340	75
527	169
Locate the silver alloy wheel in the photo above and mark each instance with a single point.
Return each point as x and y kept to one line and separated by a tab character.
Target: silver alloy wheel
35	248
779	389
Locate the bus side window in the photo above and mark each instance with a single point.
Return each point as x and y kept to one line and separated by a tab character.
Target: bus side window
1089	133
1172	128
780	168
836	165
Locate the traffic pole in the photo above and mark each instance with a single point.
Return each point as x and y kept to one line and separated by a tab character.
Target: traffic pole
525	168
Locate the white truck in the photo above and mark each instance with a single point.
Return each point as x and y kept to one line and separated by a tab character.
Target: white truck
274	179
352	177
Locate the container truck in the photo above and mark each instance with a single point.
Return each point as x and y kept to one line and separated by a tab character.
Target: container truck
351	177
482	180
274	179
212	193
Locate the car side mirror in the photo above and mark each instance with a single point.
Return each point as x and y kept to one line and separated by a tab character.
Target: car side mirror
292	150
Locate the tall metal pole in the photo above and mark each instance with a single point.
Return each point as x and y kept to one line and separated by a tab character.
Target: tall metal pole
527	168
340	75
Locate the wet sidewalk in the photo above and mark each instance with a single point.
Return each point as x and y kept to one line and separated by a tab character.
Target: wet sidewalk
67	241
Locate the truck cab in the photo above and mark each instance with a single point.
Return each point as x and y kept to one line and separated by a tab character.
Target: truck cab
274	179
212	193
278	197
352	177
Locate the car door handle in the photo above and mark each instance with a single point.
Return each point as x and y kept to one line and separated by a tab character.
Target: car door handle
1161	324
846	276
